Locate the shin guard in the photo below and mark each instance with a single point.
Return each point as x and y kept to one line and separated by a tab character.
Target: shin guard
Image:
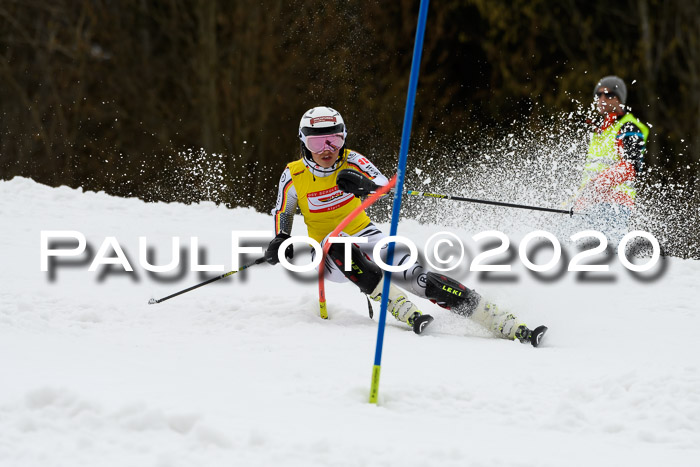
450	294
363	271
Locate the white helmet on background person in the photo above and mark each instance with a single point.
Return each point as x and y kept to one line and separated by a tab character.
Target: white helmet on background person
322	121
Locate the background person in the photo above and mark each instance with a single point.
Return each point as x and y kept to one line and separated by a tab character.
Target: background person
615	158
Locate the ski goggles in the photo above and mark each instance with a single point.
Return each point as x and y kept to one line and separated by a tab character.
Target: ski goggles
319	143
607	94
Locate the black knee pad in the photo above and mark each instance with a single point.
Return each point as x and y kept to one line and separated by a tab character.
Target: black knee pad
450	294
364	272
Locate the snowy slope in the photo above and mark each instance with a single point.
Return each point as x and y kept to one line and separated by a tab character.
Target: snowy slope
243	372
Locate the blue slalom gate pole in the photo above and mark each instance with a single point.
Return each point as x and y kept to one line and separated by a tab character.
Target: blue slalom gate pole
400	174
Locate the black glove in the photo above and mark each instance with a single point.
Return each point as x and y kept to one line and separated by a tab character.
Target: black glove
352	181
271	255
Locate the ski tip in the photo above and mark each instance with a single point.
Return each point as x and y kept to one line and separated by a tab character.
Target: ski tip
421	322
537	335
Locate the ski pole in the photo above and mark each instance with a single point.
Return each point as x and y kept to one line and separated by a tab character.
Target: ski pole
209	281
424	194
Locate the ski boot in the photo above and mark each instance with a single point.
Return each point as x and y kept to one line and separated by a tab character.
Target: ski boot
534	337
401	308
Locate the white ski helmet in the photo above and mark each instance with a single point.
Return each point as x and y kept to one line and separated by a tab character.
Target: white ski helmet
321	121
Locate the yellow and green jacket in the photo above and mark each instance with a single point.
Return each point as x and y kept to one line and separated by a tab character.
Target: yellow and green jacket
615	157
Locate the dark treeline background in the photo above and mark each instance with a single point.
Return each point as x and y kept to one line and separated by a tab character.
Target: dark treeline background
134	97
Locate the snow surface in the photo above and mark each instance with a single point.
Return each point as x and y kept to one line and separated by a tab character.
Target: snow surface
244	372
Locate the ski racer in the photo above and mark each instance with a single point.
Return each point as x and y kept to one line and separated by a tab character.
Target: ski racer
615	157
325	184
